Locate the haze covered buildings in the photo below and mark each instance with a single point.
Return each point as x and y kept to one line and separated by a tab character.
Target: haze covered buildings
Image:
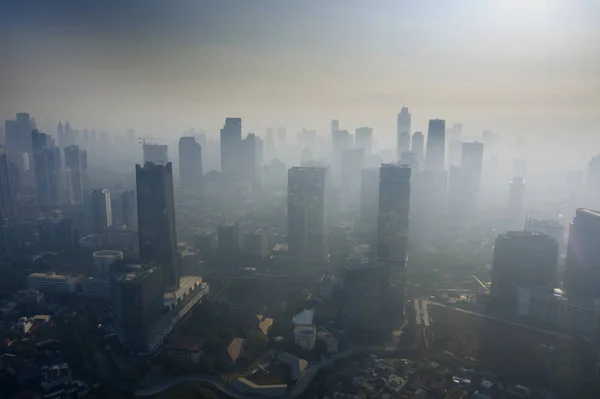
582	273
307	212
435	158
403	132
190	162
231	142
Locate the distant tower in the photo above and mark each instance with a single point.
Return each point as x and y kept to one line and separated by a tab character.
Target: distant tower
335	126
231	143
582	273
129	209
75	171
7	205
46	163
516	198
363	138
156	220
307	212
436	145
418	145
341	140
403	132
352	163
100	210
522	259
190	162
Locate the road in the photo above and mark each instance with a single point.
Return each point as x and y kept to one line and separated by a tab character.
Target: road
296	391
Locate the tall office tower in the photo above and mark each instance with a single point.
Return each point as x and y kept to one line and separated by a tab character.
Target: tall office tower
156	219
392	229
436	145
593	181
456	131
60	133
57	233
68	134
249	161
18	135
409	158
465	180
269	145
352	164
582	273
228	239
403	132
190	162
155	153
516	198
129	209
418	145
369	201
100	210
46	166
335	126
7	200
137	300
394	208
365	295
522	259
307	212
363	138
231	142
74	163
341	141
472	159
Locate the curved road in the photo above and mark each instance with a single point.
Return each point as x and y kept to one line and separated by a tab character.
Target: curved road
297	390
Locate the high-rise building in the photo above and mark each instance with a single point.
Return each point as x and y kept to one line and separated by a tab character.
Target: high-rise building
582	272
57	233
418	145
365	295
137	300
403	132
74	163
156	153
100	210
369	201
436	145
7	200
335	126
18	135
129	209
409	158
190	162
231	142
363	138
307	212
249	161
46	163
392	229
522	259
464	182
394	208
472	159
341	141
516	198
352	163
228	237
156	219
593	181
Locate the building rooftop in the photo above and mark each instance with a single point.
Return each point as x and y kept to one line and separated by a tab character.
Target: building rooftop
186	283
304	318
589	212
55	276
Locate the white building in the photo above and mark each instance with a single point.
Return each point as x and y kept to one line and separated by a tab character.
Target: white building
54	283
305	337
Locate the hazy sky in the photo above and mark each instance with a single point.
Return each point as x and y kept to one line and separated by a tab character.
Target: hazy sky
163	66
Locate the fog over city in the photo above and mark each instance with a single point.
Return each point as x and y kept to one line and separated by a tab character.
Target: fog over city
300	199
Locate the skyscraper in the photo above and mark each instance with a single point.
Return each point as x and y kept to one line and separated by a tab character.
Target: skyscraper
156	219
156	153
463	187
231	142
369	201
516	197
249	160
18	135
418	145
352	163
335	125
403	132
74	164
341	140
46	166
394	208
582	272
436	145
472	159
129	209
100	210
392	230
7	205
364	139
307	212
190	162
522	259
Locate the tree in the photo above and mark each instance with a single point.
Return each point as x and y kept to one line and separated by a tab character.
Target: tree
257	342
